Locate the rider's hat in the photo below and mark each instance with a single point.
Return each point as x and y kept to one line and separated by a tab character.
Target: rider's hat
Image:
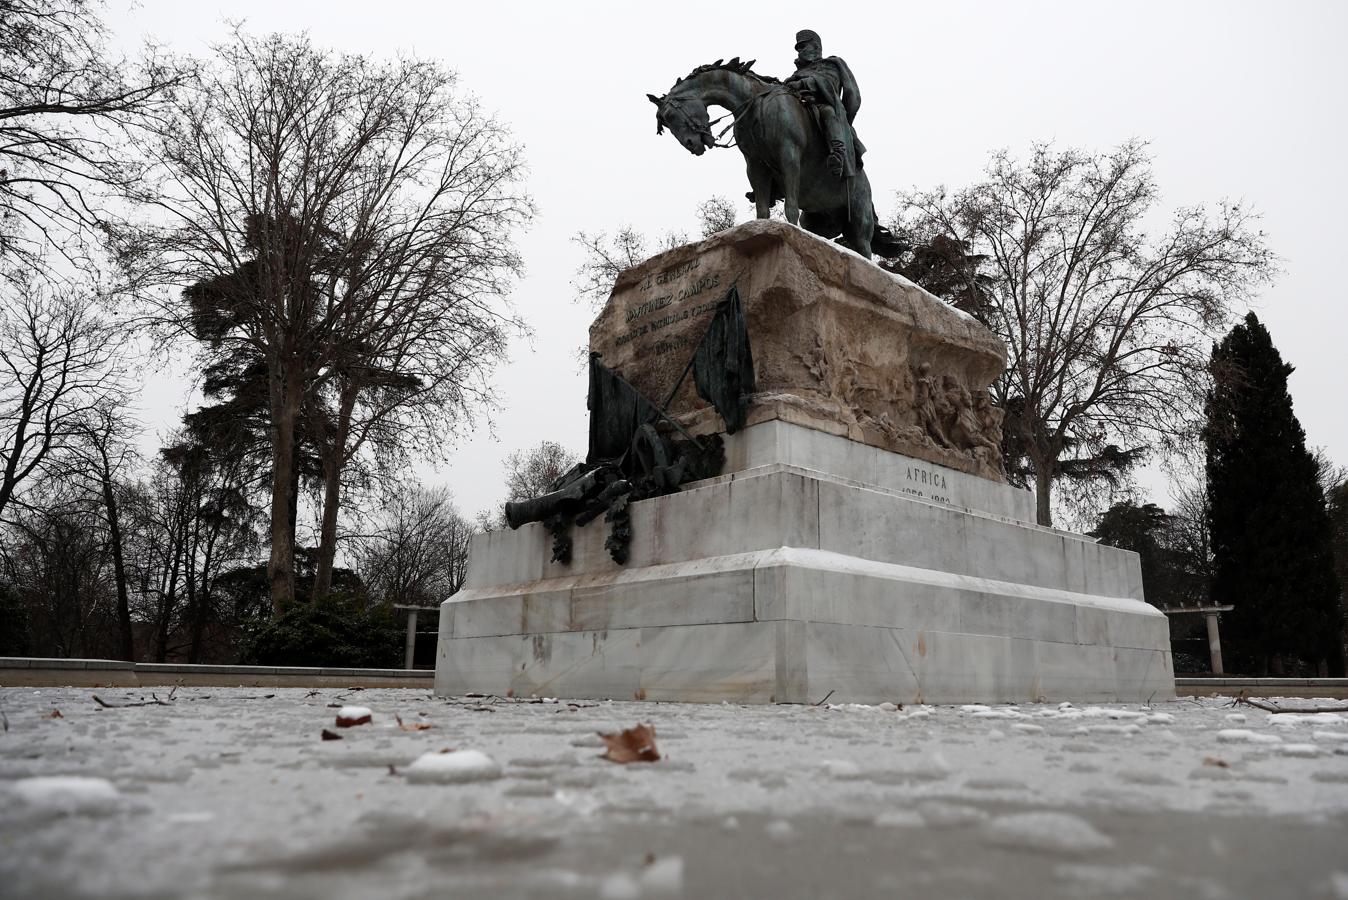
805	37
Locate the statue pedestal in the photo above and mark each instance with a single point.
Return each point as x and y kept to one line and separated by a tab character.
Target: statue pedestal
823	560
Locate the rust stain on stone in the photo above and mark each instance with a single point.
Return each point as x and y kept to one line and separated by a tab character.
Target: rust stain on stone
921	644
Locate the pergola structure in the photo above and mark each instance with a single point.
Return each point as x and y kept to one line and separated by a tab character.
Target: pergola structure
410	650
1209	611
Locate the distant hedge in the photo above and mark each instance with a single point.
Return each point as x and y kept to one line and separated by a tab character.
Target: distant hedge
336	632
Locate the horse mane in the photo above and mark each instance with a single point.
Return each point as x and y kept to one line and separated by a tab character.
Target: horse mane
734	65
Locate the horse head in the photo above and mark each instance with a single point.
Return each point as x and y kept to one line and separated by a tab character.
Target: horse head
687	119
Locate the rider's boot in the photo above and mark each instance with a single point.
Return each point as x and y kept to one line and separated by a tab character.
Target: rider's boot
836	164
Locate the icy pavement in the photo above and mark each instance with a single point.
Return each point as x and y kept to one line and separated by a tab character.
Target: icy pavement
235	793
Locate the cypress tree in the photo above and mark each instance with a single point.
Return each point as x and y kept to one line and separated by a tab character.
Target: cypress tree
1269	526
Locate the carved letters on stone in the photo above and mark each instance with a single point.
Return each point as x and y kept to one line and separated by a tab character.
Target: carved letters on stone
839	345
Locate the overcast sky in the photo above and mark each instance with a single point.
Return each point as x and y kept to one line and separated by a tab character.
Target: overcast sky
1238	100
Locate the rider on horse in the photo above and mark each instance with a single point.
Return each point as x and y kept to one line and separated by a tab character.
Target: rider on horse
828	88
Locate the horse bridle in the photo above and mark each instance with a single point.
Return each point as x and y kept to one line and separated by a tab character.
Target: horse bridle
707	132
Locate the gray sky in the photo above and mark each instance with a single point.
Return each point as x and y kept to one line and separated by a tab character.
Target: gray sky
1238	100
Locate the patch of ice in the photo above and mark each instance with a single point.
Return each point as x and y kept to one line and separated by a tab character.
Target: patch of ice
939	814
619	886
190	818
1245	736
840	768
1292	720
1160	719
454	767
1331	736
1105	712
780	830
1003	713
1108	728
900	818
1235	717
975	708
1302	750
664	876
1053	831
581	803
65	793
1027	728
1107	879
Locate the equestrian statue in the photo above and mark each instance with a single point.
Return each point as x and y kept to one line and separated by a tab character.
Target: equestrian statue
797	138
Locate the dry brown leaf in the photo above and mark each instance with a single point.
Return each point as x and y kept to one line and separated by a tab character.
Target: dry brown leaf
635	744
414	726
55	714
1214	761
331	735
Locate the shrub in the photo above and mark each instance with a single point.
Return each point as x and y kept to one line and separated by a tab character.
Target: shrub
338	631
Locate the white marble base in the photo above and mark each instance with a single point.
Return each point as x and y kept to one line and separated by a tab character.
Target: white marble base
779	583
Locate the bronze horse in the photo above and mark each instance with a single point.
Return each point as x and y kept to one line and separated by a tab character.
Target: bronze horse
785	153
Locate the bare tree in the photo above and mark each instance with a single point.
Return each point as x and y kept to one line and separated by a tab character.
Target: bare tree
1107	330
531	472
65	105
716	214
417	551
348	222
55	560
605	257
102	455
58	358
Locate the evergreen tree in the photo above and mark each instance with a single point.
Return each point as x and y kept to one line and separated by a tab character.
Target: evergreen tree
1269	526
1338	527
1142	529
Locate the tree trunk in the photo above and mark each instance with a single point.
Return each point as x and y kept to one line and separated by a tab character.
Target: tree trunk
285	408
334	455
203	603
128	647
327	541
1043	494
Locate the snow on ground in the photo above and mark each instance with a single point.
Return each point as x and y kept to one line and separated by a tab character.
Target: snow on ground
235	793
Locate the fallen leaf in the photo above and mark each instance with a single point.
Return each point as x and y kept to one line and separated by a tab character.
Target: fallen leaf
55	714
1214	761
415	726
631	745
331	735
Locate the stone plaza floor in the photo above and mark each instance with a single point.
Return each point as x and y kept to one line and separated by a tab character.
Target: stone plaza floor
233	792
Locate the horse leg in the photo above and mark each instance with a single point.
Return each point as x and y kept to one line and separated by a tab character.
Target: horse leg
790	169
760	179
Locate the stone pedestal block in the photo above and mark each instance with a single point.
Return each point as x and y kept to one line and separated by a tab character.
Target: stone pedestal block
782	582
839	344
